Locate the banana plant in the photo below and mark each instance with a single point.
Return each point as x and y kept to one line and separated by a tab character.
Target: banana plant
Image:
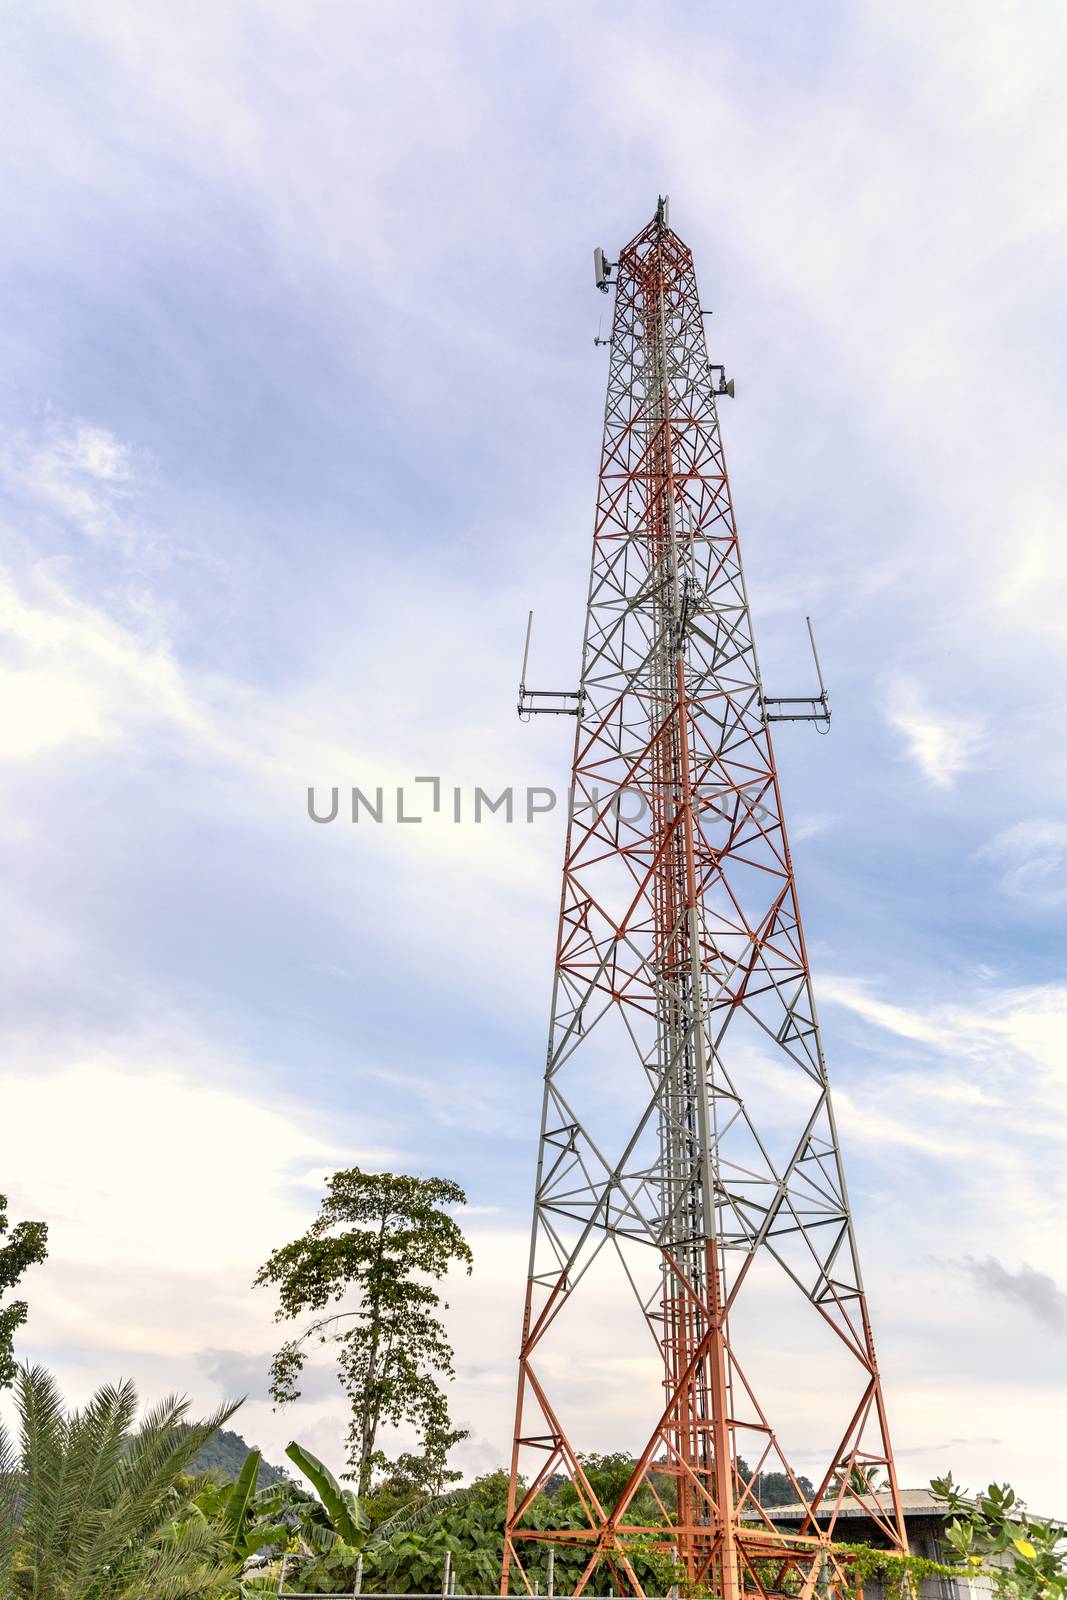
347	1518
239	1500
240	1512
336	1533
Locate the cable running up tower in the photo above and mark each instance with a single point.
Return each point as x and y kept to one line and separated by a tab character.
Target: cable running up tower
687	1139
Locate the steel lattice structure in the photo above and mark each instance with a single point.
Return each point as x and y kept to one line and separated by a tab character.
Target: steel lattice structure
681	989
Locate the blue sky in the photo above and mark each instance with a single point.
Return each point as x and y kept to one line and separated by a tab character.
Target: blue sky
299	414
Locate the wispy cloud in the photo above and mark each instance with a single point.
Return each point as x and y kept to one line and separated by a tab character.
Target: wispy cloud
77	471
457	1095
875	1124
1009	1029
69	671
1031	859
944	1445
811	826
905	1021
942	745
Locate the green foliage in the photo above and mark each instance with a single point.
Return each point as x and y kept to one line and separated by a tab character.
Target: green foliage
1027	1564
776	1488
406	1551
470	1525
899	1576
226	1453
864	1481
240	1497
246	1518
607	1476
104	1510
26	1247
378	1237
659	1571
330	1573
335	1532
426	1471
347	1517
404	1545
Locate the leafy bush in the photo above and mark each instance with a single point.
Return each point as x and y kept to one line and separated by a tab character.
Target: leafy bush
1028	1563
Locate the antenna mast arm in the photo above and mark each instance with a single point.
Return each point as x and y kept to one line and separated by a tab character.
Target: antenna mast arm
817	705
530	700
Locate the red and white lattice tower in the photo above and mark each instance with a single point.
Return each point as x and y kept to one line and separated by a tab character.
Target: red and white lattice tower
687	1136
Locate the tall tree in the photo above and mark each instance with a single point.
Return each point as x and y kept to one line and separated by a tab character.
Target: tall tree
377	1239
25	1248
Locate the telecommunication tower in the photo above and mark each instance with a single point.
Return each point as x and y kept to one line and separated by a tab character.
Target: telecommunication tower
687	1136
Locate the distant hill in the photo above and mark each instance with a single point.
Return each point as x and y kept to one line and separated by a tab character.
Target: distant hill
226	1453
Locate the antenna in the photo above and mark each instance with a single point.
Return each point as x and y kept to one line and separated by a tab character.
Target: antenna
724	387
818	705
815	655
525	655
602	269
529	699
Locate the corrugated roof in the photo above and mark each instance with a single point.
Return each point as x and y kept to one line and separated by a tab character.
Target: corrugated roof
913	1502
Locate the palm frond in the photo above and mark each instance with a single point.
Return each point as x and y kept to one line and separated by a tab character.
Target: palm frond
43	1430
97	1511
96	1441
184	1563
11	1499
159	1454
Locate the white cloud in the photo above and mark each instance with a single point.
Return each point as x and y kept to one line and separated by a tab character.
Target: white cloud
457	1095
895	1018
1019	1034
155	1148
955	1109
942	745
76	471
874	1124
166	1177
165	1182
39	709
70	672
976	1088
1033	590
811	826
98	453
1031	858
